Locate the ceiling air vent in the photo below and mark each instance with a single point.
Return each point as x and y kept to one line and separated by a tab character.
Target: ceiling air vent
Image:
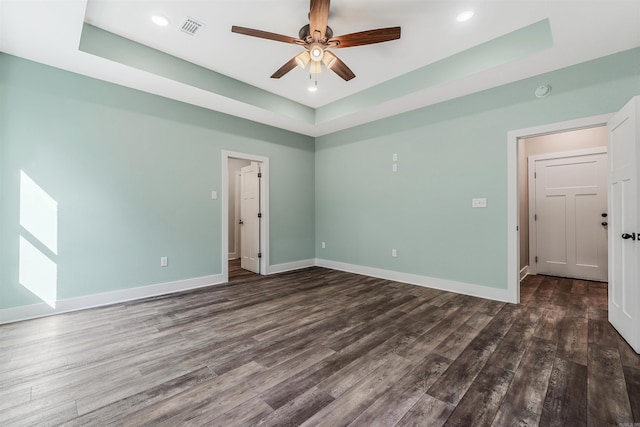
191	26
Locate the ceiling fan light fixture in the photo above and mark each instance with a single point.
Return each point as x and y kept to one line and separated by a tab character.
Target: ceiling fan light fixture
316	68
302	59
316	51
329	59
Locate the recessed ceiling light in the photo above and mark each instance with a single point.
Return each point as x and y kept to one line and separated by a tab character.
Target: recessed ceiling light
160	20
465	16
312	88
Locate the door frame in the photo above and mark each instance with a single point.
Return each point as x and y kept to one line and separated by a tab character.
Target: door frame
264	196
531	182
513	233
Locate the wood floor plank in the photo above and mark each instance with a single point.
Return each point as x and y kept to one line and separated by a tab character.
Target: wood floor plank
549	323
14	396
573	339
632	379
628	357
319	346
600	330
457	341
393	405
38	415
215	389
455	382
523	401
480	403
355	400
565	402
114	412
607	397
428	411
511	349
298	409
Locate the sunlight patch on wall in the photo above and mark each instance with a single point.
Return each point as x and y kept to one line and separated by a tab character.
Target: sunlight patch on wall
38	273
38	213
39	220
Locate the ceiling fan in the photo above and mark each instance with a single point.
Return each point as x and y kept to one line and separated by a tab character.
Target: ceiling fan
317	38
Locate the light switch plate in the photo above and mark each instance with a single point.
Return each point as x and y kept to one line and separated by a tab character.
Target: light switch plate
395	157
479	203
214	195
394	168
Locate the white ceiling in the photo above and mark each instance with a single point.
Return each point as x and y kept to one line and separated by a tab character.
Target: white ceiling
48	31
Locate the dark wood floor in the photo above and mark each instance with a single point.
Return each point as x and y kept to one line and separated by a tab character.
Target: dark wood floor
237	273
321	347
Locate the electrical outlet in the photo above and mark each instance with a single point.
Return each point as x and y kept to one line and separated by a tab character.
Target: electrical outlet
394	167
394	253
395	157
324	245
164	261
479	203
214	195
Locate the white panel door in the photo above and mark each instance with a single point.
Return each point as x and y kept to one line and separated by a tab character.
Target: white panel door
624	276
570	200
250	222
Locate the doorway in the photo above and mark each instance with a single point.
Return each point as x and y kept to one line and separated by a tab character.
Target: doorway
233	225
517	228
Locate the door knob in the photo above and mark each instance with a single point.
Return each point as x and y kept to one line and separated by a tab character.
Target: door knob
604	224
604	215
631	236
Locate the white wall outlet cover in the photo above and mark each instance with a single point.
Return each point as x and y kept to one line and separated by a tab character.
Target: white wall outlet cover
324	245
164	261
214	195
394	253
479	203
395	157
394	168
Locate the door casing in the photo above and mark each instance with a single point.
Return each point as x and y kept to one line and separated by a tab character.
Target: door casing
513	233
264	194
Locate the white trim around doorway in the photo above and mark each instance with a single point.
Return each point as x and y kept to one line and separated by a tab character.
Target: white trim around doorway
264	192
513	238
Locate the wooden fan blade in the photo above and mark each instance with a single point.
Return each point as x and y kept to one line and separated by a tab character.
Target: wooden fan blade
265	35
318	18
366	37
285	68
341	69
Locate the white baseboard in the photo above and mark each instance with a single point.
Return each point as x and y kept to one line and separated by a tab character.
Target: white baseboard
524	272
15	314
232	255
414	279
290	266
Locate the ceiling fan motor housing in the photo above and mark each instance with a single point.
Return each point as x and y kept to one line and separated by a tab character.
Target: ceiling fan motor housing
305	32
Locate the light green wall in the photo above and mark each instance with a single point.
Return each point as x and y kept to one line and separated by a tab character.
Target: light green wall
447	154
132	174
